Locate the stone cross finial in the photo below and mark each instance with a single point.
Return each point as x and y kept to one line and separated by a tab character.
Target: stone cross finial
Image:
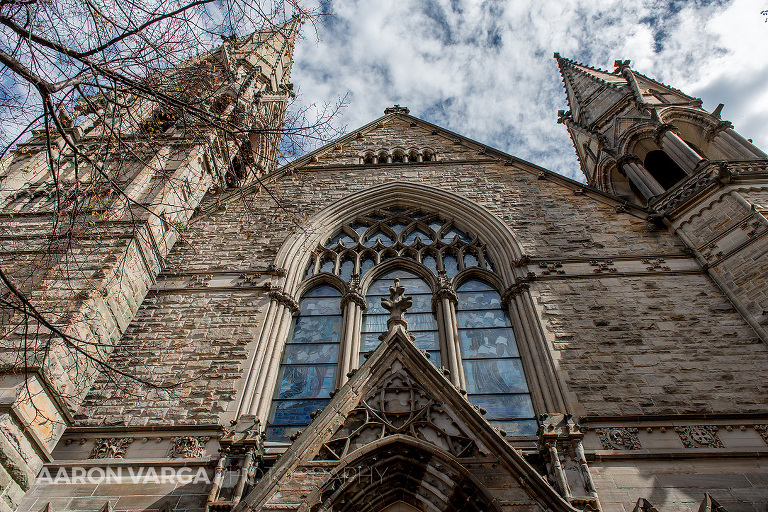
620	65
397	304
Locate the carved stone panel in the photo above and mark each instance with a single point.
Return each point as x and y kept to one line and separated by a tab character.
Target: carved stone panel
618	438
112	448
188	446
699	436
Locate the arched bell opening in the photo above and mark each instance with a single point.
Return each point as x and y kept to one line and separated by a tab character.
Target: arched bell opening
665	170
403	472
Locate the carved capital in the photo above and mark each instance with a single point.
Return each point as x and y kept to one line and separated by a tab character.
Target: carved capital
354	297
661	130
628	158
513	291
283	298
445	290
714	131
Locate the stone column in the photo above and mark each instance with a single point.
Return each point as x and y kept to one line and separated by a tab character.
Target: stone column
445	301
727	140
677	148
352	304
631	166
286	306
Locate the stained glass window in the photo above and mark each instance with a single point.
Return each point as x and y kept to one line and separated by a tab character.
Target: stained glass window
492	365
380	235
308	371
421	321
344	238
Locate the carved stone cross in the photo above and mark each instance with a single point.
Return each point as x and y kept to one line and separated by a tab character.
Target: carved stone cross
397	305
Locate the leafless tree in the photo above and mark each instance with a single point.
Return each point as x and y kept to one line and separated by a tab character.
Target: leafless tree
96	98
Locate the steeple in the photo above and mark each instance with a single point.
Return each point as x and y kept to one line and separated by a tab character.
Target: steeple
636	137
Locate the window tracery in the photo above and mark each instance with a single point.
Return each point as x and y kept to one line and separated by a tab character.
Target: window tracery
388	233
466	329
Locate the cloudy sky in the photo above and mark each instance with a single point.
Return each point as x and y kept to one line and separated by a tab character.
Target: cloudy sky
485	69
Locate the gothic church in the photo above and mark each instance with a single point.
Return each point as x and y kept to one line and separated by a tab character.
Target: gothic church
444	327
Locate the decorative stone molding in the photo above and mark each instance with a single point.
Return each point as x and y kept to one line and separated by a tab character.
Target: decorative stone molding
715	130
603	267
188	446
618	438
283	298
699	436
656	264
762	431
275	270
554	267
111	448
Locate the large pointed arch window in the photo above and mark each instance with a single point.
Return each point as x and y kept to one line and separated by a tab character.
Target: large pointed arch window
457	316
308	371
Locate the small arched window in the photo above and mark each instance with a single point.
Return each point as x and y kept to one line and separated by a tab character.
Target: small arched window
308	370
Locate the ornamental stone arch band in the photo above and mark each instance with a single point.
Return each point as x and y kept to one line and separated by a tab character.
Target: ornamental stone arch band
509	273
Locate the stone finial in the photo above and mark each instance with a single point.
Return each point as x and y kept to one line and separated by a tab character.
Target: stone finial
620	65
397	305
397	109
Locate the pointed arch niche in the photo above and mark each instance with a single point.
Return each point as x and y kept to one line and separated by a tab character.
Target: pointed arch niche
447	241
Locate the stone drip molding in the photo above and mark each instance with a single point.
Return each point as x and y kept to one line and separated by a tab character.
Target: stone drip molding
218	281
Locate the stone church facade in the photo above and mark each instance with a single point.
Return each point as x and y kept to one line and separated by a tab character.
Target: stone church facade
566	346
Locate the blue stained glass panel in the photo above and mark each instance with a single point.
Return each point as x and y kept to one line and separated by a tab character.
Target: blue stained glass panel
479	300
470	260
489	263
310	353
485	343
426	340
450	265
411	238
430	262
385	239
293	412
375	323
397	227
359	227
314	381
504	406
452	233
474	286
489	318
310	268
327	266
421	321
518	427
494	376
345	239
317	329
347	268
366	265
435	225
320	306
369	341
282	433
411	283
323	291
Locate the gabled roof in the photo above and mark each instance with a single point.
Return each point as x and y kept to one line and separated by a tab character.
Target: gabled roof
401	415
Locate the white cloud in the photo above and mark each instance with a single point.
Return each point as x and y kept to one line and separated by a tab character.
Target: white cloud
485	70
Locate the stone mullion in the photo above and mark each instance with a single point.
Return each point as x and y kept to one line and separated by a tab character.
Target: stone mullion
350	338
450	332
258	359
262	399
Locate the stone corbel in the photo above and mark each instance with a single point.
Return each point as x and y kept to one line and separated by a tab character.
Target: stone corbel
715	130
513	291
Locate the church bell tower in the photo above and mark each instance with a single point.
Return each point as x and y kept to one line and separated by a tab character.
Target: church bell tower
654	146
